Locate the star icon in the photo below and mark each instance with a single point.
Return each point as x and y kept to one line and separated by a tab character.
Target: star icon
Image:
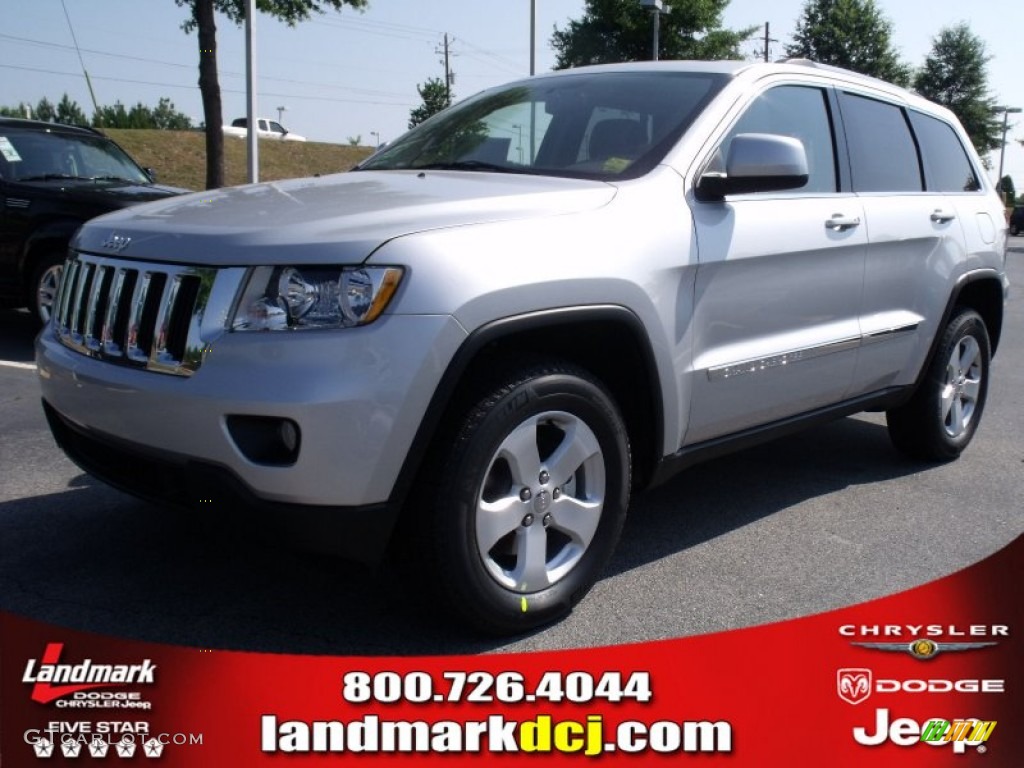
71	748
98	747
43	748
154	748
125	748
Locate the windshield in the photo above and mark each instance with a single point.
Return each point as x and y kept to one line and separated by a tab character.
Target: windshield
44	155
603	125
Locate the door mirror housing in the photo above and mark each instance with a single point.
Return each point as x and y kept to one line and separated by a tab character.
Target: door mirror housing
757	162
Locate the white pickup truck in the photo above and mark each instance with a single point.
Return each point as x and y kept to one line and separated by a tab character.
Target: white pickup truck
265	129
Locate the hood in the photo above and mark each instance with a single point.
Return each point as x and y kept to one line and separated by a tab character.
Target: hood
106	194
332	219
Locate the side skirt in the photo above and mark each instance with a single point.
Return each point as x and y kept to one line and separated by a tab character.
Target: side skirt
689	455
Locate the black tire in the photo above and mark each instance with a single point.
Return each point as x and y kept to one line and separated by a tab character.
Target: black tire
941	418
573	521
42	287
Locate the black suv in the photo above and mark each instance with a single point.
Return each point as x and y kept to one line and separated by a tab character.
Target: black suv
1017	220
52	179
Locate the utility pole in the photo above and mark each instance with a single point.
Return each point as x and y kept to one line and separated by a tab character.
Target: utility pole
449	76
1007	111
251	135
767	40
657	7
533	37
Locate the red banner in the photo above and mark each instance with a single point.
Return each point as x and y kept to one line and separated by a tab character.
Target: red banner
929	677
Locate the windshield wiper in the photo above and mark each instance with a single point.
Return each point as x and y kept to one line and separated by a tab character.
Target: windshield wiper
69	177
469	165
51	176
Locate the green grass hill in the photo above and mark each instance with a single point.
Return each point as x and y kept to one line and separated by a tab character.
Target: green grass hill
179	157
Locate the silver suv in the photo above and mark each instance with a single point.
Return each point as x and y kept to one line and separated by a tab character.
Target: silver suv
544	298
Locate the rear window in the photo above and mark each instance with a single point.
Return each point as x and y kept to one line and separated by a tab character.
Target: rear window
947	168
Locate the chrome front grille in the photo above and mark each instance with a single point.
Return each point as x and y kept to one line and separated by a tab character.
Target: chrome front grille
135	314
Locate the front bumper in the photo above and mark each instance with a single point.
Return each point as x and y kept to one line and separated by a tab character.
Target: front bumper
357	533
356	395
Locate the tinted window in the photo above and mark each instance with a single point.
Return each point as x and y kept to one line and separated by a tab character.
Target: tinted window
883	155
801	113
946	165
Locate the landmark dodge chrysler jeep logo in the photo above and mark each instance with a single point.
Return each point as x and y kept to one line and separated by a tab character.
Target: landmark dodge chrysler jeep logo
79	677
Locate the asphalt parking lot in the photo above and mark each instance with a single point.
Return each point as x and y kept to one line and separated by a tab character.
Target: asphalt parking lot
817	521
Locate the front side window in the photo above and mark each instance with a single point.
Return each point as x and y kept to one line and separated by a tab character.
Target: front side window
883	155
947	167
596	125
799	112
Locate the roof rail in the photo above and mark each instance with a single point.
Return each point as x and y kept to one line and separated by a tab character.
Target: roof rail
798	60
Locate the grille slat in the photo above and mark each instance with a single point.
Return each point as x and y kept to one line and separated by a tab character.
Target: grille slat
109	339
143	315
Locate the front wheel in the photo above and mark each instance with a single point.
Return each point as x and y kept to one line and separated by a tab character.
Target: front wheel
43	286
531	499
940	419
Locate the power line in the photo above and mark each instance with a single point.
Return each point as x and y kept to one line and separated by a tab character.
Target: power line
226	73
196	87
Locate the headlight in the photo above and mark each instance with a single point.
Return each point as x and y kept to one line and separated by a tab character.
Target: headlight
283	298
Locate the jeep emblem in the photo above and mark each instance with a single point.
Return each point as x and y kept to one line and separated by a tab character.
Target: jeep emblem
116	242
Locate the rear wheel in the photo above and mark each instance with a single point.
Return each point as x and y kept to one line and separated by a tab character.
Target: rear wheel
941	418
531	499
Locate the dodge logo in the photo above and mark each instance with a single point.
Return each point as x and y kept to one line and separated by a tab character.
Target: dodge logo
853	685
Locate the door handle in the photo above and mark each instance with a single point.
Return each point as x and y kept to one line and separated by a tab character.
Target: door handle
841	223
940	216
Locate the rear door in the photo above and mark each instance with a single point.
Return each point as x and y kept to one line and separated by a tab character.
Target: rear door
915	238
778	288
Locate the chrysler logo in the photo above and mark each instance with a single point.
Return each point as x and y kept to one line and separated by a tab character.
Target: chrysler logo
116	242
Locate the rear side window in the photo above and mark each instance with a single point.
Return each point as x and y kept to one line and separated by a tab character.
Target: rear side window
883	156
947	168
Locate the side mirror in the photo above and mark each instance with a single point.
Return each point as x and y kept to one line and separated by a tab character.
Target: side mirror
757	162
151	173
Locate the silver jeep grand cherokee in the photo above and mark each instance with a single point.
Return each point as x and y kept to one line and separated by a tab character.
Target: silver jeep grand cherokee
543	298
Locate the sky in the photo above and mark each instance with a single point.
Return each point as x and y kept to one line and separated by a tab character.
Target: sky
349	75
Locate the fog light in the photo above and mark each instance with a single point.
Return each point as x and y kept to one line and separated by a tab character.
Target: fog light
289	433
266	440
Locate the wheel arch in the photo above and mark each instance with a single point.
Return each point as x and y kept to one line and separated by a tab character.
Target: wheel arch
52	237
608	341
983	292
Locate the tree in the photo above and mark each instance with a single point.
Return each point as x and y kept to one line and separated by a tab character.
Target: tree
22	110
1008	189
620	30
435	98
202	19
355	141
45	111
849	33
69	113
164	117
955	75
167	118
